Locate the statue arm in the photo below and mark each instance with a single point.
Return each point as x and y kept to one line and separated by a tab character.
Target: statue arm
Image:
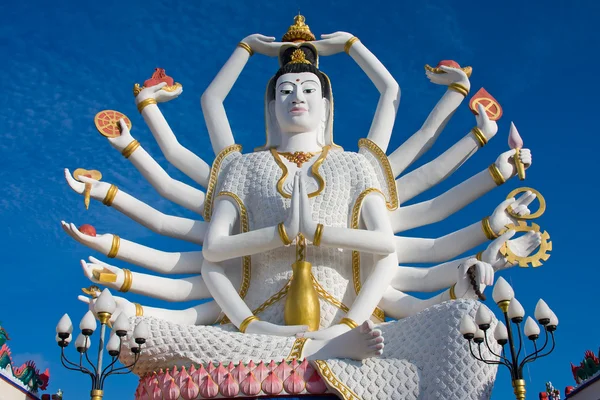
169	188
181	157
421	141
214	96
414	279
168	289
389	90
177	227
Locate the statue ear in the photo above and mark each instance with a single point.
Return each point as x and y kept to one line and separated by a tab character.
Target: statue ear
326	110
272	126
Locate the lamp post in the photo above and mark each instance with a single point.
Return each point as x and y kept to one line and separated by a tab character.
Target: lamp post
476	331
104	307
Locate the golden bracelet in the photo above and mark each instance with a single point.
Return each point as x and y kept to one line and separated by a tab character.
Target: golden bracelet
143	104
349	44
318	234
246	47
283	234
487	229
114	248
110	195
139	310
479	136
452	293
130	148
127	281
478	256
496	174
457	87
349	322
247	322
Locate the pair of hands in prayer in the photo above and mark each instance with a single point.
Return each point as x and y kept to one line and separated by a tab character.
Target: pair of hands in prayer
299	219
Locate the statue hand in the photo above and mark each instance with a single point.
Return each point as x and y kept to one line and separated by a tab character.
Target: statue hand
123	306
522	246
267	328
101	243
120	142
292	223
452	75
487	126
95	264
500	217
98	191
491	255
307	225
506	164
484	276
332	43
155	92
262	44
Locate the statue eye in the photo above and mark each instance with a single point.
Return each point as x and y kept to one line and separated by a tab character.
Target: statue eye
286	91
310	90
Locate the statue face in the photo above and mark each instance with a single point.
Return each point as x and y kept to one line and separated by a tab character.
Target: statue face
299	103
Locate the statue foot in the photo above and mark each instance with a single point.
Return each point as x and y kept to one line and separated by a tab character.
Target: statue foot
361	342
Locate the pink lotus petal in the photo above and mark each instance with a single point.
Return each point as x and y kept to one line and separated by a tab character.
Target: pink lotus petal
261	371
251	365
229	387
182	376
272	365
294	384
305	370
272	384
171	391
156	393
219	373
514	139
210	367
199	375
192	369
250	386
164	379
294	364
283	370
144	394
315	384
174	372
240	372
230	367
189	390
208	388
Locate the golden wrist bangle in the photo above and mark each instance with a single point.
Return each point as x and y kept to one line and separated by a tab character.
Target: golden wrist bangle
452	292
487	229
479	136
349	322
349	44
246	47
479	255
139	310
127	281
457	87
283	234
496	174
247	322
110	195
318	234
114	248
145	103
130	148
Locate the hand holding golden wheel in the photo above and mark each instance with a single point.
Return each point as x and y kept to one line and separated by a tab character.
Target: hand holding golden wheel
107	123
535	260
541	210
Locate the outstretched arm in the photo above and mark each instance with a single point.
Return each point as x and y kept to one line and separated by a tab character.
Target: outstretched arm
213	98
181	228
451	201
182	158
424	138
168	289
169	188
155	260
432	173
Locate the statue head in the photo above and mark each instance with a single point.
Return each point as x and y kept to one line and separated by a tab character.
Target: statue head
298	97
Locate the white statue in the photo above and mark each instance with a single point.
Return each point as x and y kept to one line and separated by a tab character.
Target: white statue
302	198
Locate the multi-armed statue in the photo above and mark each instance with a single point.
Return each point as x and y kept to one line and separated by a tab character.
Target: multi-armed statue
301	199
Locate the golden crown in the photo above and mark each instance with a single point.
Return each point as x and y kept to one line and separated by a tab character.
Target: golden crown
299	32
299	57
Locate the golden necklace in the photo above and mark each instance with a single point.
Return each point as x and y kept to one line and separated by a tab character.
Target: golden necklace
298	157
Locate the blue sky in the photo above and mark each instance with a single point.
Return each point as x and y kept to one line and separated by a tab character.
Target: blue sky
65	61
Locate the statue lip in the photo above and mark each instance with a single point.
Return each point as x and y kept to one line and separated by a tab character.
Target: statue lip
298	110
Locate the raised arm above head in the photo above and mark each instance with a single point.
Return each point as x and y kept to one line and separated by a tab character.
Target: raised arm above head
389	90
155	260
212	99
181	228
169	188
178	155
434	172
422	140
